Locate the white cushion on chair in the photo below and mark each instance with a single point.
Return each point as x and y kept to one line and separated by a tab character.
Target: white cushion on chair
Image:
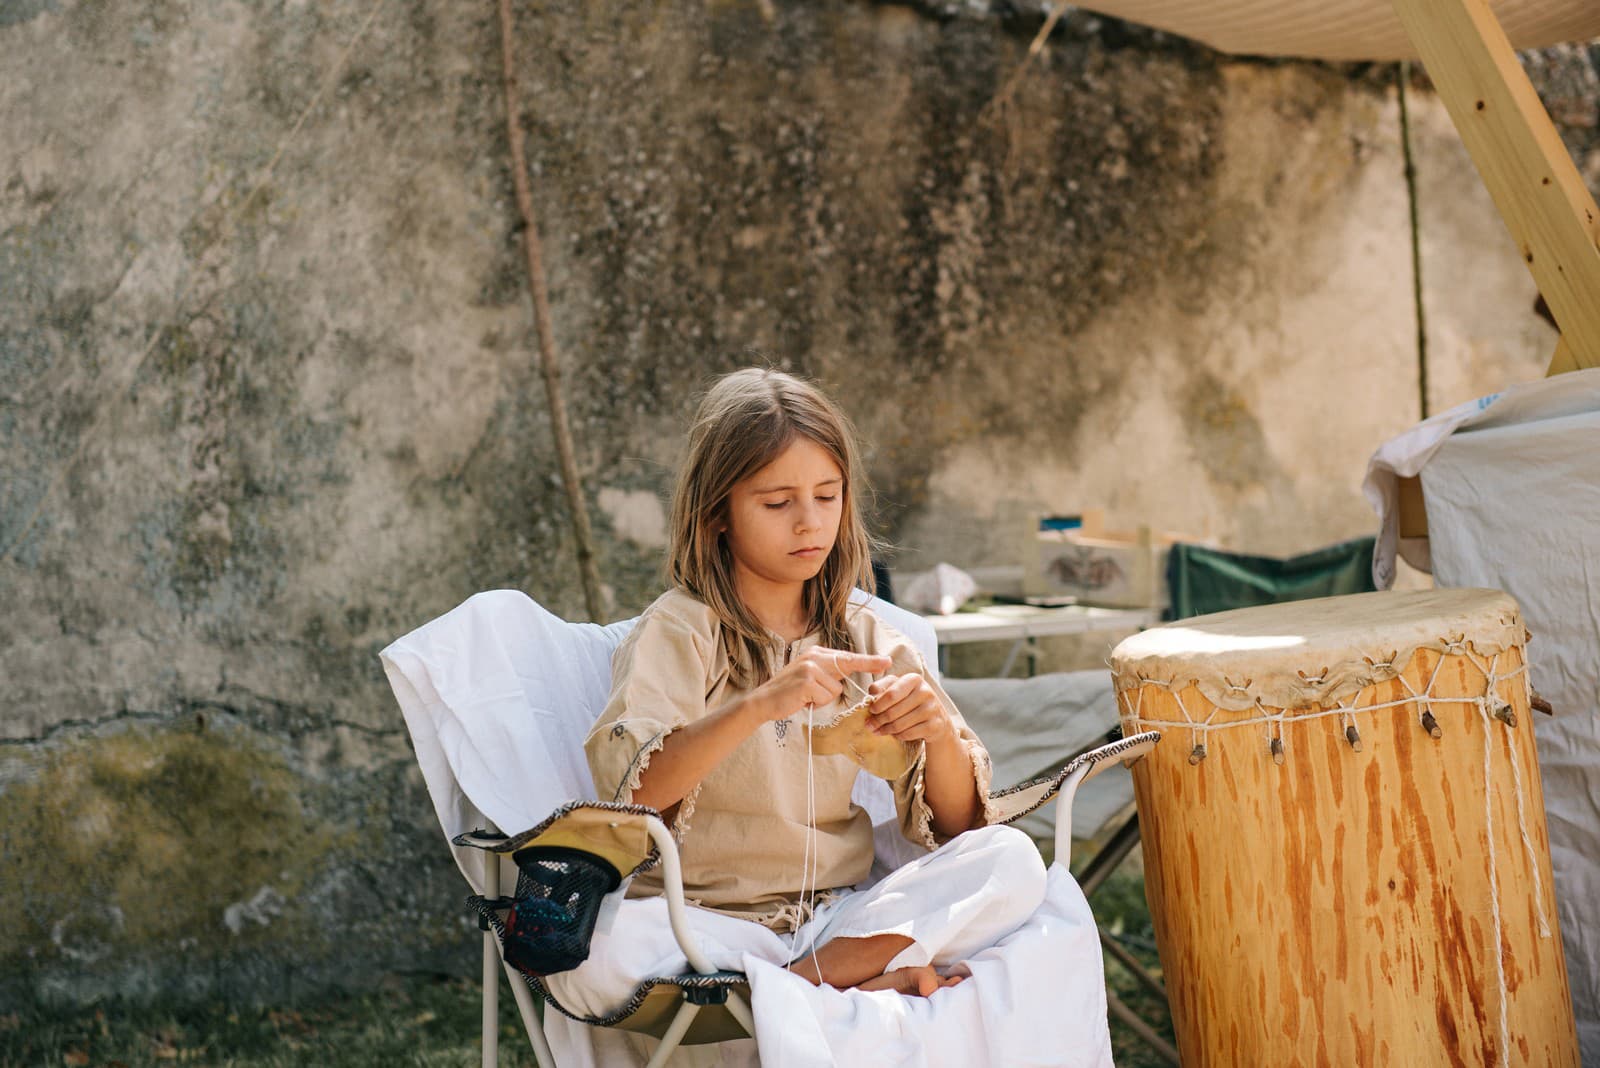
498	695
913	626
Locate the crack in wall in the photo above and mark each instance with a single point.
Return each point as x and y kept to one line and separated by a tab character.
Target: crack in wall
188	708
82	726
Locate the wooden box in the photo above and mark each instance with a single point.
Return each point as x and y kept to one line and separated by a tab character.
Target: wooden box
1092	565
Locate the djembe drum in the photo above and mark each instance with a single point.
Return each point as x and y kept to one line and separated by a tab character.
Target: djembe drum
1344	834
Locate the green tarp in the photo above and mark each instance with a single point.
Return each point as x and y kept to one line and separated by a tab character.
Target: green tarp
1206	580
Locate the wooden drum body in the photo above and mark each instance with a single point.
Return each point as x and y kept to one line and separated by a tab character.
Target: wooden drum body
1344	834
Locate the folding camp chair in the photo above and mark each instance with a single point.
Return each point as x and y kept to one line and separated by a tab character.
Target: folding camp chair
498	696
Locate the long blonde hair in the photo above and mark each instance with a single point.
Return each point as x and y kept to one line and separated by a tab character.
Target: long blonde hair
746	420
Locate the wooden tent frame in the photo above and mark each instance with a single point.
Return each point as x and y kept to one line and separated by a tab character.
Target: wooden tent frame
1536	188
1531	178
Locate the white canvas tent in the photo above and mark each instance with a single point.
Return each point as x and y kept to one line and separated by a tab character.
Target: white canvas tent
1509	487
1512	483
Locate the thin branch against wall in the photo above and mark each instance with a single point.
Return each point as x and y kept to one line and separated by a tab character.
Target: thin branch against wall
1003	97
115	384
549	358
1402	74
1000	113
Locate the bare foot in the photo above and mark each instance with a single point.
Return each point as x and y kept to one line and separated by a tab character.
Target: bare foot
914	982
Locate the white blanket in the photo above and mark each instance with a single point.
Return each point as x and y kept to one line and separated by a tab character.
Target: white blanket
1406	454
1036	998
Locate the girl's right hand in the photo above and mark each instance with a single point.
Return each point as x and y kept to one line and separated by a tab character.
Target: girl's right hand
815	678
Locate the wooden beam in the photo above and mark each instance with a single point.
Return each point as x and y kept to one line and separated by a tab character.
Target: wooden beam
1537	189
1412	509
1563	360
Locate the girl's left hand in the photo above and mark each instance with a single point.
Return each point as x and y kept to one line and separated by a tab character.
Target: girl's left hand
905	707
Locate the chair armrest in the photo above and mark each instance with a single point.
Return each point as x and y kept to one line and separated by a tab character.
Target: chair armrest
610	830
1018	801
630	838
672	884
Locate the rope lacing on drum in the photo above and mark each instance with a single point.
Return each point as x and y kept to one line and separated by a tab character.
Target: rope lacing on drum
1425	698
1198	752
1351	735
1493	709
1493	706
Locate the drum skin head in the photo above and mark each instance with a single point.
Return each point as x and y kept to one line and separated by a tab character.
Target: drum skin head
1318	651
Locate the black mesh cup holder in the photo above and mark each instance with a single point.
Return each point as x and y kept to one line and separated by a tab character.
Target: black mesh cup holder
545	928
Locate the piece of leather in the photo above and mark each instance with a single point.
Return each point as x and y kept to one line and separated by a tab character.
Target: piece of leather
882	755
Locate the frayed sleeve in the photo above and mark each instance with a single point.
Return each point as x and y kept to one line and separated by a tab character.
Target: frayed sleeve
910	798
658	683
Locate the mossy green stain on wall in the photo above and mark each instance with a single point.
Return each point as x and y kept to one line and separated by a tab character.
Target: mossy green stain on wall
142	840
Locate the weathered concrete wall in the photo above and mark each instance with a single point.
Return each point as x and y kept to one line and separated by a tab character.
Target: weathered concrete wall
249	440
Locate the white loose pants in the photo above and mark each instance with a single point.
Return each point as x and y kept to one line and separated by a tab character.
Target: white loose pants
960	899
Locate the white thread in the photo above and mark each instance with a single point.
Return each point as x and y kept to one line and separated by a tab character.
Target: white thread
1527	844
865	696
845	677
813	847
1433	676
1527	839
1194	733
1494	874
810	862
1275	728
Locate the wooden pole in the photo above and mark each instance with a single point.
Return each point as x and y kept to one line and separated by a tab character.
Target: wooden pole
549	358
1003	97
1402	75
1537	189
1563	360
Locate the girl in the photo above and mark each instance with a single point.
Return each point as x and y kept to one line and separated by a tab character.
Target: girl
715	688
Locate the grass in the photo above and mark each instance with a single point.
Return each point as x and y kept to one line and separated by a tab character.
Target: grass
1120	907
408	1020
425	1020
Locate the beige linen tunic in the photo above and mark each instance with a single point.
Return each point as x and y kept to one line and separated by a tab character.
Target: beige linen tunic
743	831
